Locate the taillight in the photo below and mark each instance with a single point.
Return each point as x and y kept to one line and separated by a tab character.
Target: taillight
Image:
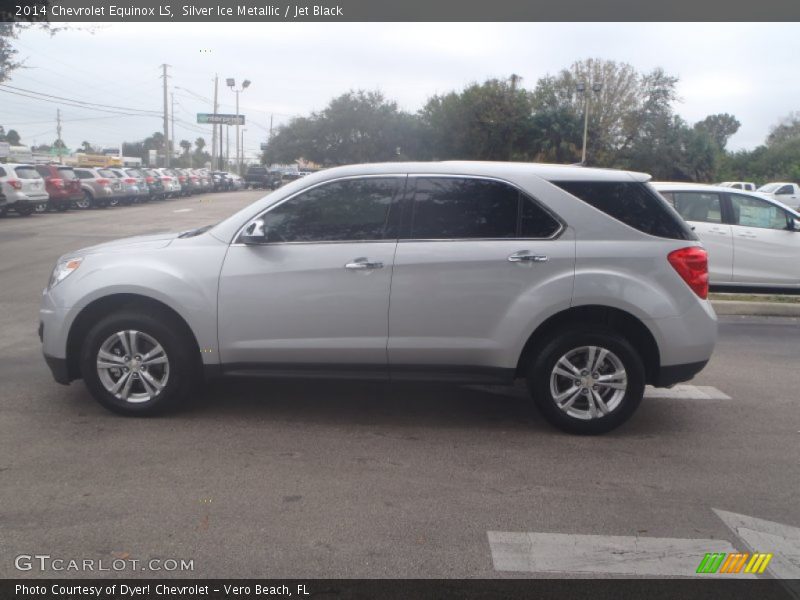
103	181
59	183
15	183
149	180
692	265
181	178
130	180
167	179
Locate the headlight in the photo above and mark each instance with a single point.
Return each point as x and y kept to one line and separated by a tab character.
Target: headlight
63	269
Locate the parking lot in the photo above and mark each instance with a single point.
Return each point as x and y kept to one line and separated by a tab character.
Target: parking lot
356	479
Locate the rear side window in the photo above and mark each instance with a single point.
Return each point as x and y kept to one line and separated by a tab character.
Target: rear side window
471	208
2	172
66	173
634	203
697	206
83	174
27	173
107	173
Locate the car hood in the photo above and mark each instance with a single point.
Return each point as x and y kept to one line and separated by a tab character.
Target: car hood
139	242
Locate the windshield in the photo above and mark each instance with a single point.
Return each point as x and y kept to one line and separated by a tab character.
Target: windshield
770	187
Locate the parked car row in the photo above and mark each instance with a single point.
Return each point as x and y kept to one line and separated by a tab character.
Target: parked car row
26	188
785	192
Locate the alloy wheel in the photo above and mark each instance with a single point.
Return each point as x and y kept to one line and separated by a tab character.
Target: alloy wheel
132	366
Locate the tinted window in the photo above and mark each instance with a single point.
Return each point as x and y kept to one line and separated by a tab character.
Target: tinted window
754	212
107	173
786	189
83	174
355	209
43	171
2	172
27	173
469	208
698	206
634	203
66	173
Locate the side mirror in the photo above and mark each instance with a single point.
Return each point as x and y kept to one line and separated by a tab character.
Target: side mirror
794	225
254	233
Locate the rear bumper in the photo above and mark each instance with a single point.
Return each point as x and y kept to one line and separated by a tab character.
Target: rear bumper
672	374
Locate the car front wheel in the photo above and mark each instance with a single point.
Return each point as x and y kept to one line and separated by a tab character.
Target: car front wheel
587	381
139	364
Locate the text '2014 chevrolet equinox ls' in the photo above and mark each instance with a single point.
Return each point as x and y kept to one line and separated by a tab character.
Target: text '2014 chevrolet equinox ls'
585	282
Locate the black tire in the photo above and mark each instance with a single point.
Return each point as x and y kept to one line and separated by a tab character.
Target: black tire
560	345
179	348
86	203
62	206
24	209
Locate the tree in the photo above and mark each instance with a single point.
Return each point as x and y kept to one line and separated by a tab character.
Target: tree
87	147
358	126
488	121
787	128
719	127
625	106
9	31
12	137
185	145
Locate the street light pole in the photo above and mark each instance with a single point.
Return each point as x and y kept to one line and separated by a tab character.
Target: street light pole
231	82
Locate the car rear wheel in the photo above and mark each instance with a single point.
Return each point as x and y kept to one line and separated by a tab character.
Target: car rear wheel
587	381
139	364
85	202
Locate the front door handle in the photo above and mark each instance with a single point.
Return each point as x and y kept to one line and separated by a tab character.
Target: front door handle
526	257
363	263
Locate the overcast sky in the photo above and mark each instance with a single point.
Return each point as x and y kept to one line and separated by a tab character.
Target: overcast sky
748	70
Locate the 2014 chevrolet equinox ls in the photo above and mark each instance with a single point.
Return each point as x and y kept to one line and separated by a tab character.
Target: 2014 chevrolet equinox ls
585	282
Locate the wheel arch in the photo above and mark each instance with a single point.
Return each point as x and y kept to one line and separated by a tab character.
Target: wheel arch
106	305
620	321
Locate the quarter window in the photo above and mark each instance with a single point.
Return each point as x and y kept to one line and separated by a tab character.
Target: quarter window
698	206
470	208
754	212
349	210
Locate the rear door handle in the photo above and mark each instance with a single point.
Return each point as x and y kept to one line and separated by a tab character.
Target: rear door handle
363	263
526	257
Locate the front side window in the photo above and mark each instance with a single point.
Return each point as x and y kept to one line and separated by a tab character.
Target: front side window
786	189
634	203
754	212
698	206
470	208
348	210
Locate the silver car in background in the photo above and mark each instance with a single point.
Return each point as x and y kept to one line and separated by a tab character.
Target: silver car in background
23	188
583	282
97	190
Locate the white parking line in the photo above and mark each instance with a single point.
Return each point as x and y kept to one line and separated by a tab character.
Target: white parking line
760	535
182	210
602	554
686	392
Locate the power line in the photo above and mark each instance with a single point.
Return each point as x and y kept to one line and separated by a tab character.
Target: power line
83	102
74	105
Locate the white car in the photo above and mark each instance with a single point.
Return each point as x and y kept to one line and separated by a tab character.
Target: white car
752	240
784	192
747	186
24	189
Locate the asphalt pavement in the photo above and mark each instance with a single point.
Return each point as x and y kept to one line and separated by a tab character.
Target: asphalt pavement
364	479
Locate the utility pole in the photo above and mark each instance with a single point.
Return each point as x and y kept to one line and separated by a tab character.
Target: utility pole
270	126
164	76
172	106
227	146
58	129
214	162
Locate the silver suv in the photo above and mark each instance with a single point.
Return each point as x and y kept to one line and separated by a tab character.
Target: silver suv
584	282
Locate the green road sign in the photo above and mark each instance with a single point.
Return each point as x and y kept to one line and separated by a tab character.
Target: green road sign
218	118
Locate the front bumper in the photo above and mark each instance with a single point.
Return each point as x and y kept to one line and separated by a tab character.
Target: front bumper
672	374
58	367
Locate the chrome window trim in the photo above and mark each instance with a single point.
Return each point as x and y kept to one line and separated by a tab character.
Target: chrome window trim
561	223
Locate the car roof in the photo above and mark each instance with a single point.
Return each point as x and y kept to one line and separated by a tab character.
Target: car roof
550	172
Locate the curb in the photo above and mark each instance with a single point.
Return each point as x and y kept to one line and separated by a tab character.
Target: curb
761	309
